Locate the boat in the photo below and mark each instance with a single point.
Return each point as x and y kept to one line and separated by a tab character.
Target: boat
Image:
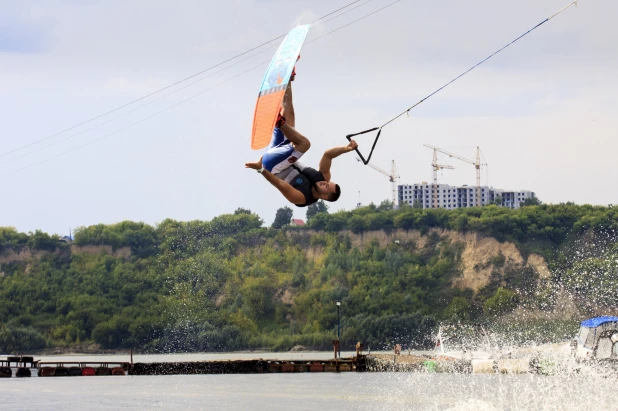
597	339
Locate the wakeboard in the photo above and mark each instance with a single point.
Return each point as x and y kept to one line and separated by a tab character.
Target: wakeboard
274	85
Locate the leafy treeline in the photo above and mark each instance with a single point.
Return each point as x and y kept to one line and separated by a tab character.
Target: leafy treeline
11	239
544	222
230	283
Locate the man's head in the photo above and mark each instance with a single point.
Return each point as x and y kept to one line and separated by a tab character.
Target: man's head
327	190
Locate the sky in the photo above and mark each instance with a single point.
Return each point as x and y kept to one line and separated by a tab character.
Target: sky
543	111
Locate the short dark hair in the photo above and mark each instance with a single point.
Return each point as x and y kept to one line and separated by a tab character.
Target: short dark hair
335	196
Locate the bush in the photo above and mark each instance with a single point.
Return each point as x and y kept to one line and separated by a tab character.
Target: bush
21	339
501	302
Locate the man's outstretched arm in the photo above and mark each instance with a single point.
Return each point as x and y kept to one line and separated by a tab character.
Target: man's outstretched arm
290	193
329	155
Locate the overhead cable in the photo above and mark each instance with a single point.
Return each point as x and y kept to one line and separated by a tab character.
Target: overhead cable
179	82
187	99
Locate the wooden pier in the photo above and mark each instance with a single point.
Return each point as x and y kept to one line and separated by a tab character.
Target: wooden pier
22	364
78	369
256	366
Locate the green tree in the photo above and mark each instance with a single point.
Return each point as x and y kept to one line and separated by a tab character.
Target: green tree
356	224
385	205
316	208
42	241
458	309
283	217
241	210
531	202
501	302
11	238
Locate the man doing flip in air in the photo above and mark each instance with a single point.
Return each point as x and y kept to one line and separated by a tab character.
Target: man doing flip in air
300	185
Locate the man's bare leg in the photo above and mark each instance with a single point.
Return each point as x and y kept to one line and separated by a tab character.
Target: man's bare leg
287	109
300	142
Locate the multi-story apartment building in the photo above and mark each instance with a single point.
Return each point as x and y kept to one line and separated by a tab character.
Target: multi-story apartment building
513	199
451	197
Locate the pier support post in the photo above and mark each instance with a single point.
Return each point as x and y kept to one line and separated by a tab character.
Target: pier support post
336	348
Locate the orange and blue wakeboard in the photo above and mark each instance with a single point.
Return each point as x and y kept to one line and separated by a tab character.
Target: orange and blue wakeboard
274	85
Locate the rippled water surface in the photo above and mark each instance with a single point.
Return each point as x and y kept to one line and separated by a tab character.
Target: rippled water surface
307	391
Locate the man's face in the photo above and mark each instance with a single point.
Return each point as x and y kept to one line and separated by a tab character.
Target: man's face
324	187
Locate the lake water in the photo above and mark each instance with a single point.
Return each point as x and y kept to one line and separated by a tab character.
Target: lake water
305	391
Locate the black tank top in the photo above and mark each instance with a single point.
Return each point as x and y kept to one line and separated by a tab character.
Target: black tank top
304	181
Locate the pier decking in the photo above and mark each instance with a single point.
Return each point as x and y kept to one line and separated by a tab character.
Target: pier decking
255	366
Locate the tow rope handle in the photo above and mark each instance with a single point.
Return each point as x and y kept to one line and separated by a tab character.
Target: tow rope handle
349	137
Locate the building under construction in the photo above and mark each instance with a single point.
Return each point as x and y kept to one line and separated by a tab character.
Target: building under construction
434	195
451	197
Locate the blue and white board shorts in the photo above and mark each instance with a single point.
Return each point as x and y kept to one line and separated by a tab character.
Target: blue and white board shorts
280	153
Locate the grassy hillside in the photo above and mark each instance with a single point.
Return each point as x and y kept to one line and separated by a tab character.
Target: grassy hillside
231	283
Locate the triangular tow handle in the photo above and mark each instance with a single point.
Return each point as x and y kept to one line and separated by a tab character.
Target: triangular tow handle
349	137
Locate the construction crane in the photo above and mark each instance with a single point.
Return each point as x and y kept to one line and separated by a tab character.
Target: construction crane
435	167
477	165
393	177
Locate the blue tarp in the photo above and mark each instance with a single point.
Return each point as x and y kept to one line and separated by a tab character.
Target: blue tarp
595	322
